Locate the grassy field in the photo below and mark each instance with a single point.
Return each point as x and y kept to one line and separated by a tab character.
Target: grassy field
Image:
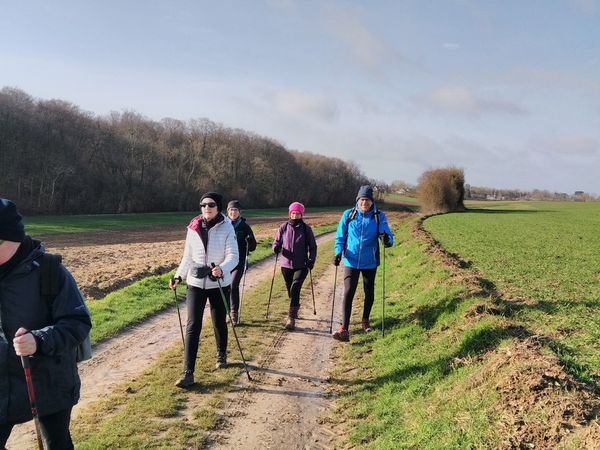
440	376
416	387
545	253
36	225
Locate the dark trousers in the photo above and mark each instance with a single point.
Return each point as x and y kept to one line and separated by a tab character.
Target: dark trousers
236	277
54	427
293	282
196	301
350	284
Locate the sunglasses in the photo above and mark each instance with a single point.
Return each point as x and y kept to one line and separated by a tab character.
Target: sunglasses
208	205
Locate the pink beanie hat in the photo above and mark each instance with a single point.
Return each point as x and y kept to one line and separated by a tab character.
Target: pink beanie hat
296	206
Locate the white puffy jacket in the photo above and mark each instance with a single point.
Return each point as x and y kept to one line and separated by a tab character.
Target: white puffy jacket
222	250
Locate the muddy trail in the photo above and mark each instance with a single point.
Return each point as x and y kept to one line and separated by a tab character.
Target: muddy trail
281	406
132	351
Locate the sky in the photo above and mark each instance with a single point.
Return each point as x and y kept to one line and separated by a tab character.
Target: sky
507	90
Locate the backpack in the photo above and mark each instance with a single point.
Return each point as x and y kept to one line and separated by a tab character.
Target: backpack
50	287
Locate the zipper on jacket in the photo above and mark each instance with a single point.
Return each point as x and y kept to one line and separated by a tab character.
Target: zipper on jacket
361	239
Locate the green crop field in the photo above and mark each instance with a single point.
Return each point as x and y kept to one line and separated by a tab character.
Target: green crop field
545	253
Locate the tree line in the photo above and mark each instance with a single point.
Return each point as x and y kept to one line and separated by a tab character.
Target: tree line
57	159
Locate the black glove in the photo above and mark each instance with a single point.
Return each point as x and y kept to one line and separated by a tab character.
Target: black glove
387	242
310	264
277	250
337	259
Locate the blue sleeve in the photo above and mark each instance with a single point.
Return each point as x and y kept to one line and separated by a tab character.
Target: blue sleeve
385	228
341	233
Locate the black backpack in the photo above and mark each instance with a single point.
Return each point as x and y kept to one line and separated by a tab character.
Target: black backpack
50	287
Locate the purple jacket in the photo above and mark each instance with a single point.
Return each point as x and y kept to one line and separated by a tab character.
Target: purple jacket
297	244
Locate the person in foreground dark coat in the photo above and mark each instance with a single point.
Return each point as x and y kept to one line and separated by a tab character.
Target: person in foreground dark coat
45	330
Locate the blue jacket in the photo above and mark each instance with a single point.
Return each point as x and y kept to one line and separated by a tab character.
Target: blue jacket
58	326
361	249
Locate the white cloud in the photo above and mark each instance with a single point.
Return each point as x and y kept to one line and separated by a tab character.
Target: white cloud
294	103
579	146
451	45
460	100
368	49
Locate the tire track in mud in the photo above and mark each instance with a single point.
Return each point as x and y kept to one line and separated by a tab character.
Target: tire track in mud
281	407
133	350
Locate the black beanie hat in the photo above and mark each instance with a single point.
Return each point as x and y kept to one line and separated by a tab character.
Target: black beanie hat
234	204
218	198
365	191
11	226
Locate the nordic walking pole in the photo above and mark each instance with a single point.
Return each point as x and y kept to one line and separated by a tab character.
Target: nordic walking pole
31	393
383	295
313	292
231	321
243	282
333	301
179	315
272	280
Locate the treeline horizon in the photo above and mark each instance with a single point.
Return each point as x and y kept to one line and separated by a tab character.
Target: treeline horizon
57	159
488	193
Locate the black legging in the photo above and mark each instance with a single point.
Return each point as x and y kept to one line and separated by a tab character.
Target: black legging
55	429
234	298
350	284
293	282
196	301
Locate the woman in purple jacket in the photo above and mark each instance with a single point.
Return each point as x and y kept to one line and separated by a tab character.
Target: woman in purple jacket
295	241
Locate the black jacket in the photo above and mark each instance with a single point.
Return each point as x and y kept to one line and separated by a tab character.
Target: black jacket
58	325
245	239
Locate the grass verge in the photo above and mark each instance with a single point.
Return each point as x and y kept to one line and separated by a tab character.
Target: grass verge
415	387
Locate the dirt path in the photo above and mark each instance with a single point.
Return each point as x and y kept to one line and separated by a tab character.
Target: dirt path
281	406
131	352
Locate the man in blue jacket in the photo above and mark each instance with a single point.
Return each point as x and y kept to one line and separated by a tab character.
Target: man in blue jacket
357	241
45	330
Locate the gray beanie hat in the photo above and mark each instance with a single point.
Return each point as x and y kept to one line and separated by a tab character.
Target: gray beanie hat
365	191
234	204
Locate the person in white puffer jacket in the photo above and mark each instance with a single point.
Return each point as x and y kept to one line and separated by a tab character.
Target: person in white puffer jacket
210	239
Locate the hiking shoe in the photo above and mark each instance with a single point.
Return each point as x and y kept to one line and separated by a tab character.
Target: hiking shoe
186	380
290	324
367	328
221	360
342	335
235	318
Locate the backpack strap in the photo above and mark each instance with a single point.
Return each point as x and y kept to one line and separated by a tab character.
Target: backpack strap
50	276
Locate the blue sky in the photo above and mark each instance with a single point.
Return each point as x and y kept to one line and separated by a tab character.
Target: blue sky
507	90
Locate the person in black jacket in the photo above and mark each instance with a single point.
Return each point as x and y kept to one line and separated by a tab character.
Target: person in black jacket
47	331
246	244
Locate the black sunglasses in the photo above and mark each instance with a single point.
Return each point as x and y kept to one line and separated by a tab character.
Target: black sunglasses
209	205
